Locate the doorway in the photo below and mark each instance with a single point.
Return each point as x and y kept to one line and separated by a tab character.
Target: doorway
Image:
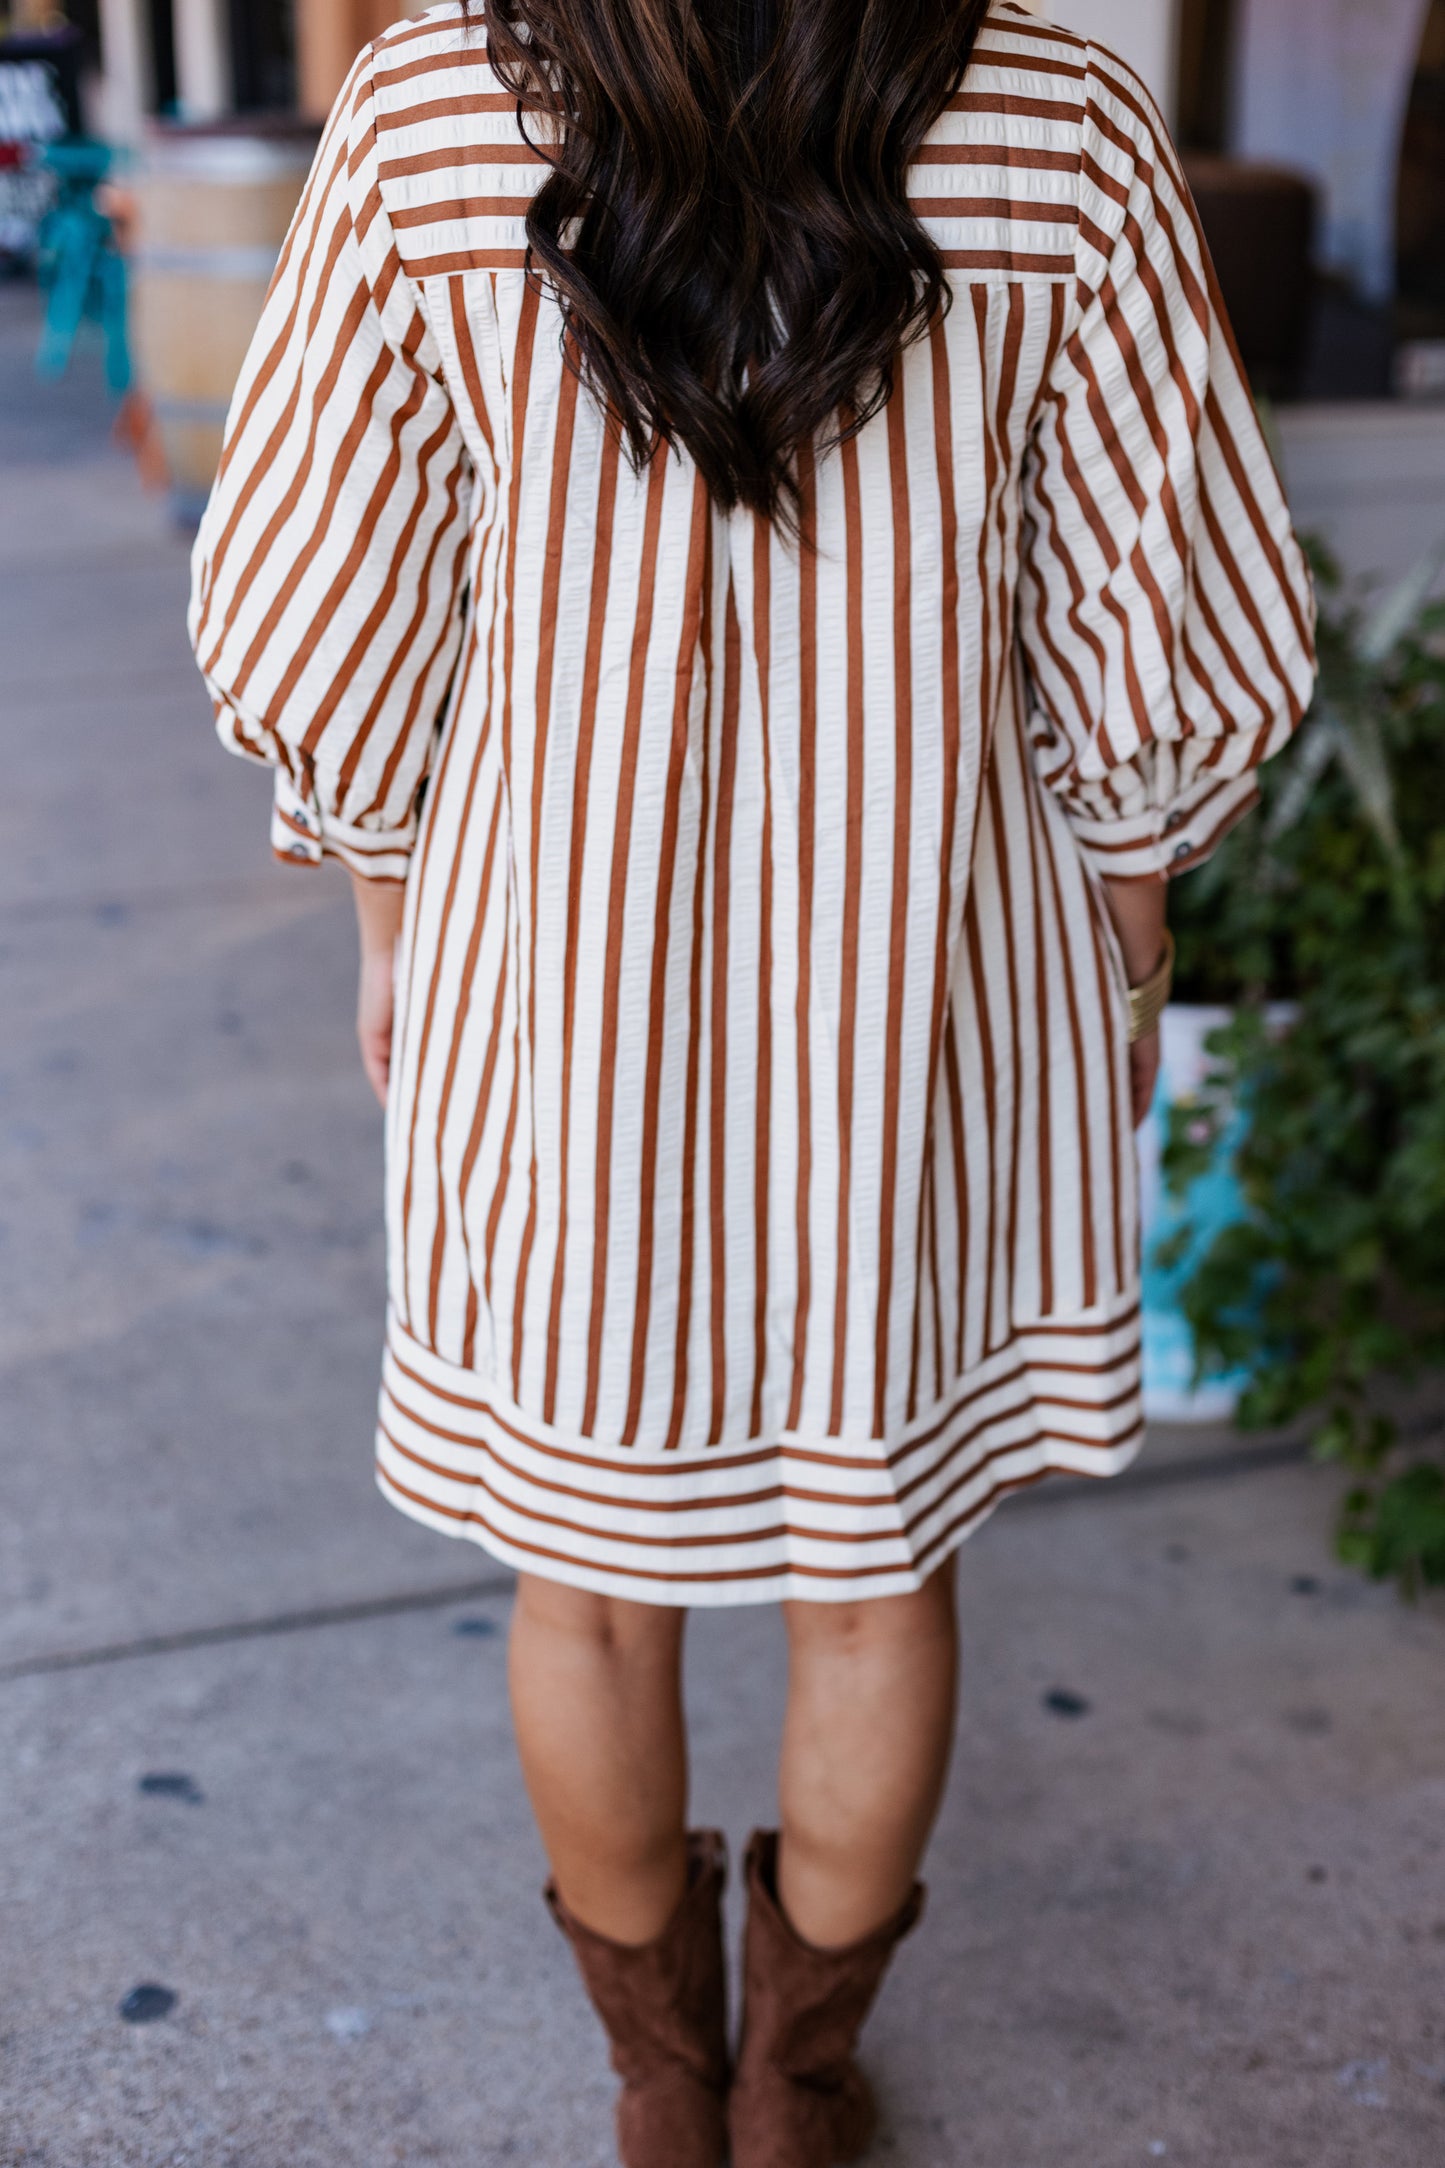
263	55
161	26
1421	213
1206	48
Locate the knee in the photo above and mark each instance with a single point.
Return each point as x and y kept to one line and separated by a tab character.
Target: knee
602	1626
830	1629
575	1614
859	1629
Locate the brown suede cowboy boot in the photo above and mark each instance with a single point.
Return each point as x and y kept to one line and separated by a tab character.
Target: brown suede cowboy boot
798	2099
664	2007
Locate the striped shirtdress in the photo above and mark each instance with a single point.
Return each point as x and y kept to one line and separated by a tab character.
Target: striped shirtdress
761	1195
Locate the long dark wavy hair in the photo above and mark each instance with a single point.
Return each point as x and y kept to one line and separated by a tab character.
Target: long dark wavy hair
726	221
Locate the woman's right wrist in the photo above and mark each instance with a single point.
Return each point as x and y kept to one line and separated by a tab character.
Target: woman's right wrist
1139	910
379	907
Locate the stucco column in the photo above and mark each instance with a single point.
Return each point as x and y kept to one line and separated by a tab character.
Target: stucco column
1143	32
203	58
125	69
329	35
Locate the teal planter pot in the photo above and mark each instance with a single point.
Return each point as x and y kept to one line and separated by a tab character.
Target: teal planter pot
1212	1203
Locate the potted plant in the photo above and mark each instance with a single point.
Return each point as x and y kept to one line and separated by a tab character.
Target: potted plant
1326	1291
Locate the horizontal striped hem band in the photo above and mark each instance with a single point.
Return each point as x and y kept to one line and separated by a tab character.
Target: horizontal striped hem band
822	1519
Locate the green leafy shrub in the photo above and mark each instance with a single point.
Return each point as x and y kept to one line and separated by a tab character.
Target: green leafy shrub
1332	1287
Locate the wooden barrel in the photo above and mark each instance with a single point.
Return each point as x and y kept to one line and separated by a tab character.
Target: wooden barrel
213	208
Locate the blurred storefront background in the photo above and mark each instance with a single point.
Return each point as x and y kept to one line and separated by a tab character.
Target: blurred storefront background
1314	136
198	60
1313	131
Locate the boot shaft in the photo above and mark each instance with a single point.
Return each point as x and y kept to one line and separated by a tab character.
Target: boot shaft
664	2008
799	2099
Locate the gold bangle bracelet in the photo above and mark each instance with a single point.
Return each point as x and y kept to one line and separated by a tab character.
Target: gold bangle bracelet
1148	1001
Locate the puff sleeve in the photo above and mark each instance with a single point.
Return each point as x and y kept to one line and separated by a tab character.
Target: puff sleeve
327	578
1166	615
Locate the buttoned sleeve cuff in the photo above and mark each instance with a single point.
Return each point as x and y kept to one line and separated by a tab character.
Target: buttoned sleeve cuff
1159	843
301	835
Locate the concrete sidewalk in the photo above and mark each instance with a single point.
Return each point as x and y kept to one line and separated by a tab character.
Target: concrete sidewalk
1188	1898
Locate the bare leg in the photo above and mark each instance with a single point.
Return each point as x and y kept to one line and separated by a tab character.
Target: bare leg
866	1747
597	1705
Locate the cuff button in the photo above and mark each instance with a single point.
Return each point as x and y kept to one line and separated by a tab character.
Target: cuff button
1182	850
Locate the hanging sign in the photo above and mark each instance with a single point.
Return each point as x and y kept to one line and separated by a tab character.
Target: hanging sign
39	103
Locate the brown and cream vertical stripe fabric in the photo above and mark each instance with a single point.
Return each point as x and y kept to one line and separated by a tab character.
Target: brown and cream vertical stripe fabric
760	1192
